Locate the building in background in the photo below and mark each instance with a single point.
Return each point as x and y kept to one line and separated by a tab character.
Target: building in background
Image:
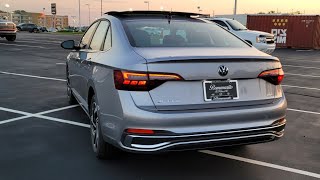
56	21
40	19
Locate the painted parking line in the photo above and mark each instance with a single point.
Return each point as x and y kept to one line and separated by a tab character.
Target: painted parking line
303	111
304	67
64	121
299	60
60	63
218	154
28	115
303	75
304	50
32	76
15	119
260	163
301	87
59	109
21	45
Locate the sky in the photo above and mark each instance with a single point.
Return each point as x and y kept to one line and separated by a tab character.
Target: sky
218	7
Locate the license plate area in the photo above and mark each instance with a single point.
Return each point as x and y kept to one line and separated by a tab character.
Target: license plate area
220	90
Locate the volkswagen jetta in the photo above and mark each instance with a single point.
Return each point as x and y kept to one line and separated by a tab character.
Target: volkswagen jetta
164	81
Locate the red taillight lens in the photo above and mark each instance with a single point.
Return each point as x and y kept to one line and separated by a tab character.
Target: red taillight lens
141	81
274	76
140	131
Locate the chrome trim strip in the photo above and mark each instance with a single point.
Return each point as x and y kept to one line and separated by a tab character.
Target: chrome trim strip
149	146
158	147
209	134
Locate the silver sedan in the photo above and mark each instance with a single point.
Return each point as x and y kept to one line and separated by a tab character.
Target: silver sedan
162	81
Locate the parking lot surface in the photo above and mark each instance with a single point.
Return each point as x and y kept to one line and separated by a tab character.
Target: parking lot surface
43	137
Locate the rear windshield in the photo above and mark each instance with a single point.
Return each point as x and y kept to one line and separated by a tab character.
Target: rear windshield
178	33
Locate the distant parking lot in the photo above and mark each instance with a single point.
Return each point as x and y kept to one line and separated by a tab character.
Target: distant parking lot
43	137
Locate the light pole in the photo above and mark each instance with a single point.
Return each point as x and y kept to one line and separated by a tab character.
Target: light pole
7	6
235	7
147	2
74	22
20	20
79	17
44	17
89	13
101	7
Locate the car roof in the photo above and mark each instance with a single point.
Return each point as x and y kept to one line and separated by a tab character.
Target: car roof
219	18
152	15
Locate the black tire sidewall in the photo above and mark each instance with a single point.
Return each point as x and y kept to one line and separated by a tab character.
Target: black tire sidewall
100	151
11	38
72	99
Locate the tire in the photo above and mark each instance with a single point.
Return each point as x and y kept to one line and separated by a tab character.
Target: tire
102	149
72	100
11	38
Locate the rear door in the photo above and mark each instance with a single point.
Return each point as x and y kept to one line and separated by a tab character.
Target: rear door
89	55
77	58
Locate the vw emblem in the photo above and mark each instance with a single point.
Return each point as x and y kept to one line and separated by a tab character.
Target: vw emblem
223	70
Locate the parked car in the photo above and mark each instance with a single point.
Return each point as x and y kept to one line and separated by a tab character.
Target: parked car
28	27
43	29
51	29
194	86
8	30
263	41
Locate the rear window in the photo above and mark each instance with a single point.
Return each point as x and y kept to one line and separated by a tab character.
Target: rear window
178	33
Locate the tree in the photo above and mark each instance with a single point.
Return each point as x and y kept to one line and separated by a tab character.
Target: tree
272	12
19	12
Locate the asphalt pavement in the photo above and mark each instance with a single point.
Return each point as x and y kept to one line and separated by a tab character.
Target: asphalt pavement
43	137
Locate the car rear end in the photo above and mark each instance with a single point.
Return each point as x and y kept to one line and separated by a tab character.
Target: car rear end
202	87
7	29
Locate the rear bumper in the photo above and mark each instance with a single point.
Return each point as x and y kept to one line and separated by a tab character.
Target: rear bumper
205	140
194	129
7	33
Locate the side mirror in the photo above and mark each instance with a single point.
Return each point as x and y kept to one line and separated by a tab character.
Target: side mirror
70	44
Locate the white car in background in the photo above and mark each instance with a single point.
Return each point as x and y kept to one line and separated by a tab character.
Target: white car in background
263	41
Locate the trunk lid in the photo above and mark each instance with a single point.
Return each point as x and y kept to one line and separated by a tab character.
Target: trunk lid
197	65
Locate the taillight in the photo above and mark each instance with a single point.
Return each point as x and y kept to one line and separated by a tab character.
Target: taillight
141	81
274	76
140	131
